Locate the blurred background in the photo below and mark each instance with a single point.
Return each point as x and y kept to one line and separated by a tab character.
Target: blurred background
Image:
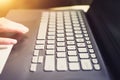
6	5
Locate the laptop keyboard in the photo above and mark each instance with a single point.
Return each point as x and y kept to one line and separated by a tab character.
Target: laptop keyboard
63	43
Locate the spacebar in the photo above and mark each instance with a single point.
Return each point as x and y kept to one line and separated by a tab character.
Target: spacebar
4	53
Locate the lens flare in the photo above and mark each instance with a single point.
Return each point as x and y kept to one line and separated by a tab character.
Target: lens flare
5	3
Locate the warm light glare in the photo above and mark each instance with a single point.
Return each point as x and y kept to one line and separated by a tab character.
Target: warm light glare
5	2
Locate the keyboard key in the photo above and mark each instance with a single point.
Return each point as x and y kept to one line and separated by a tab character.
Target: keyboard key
51	41
82	50
51	33
50	51
61	54
84	55
86	64
68	27
80	40
69	30
62	64
77	32
82	25
97	67
69	34
49	63
88	42
95	61
60	31
60	35
76	24
75	21
70	42
77	28
93	55
33	67
72	53
90	46
70	38
68	24
40	59
51	46
42	30
74	66
34	59
81	44
73	58
39	47
85	35
51	29
61	49
40	41
60	39
60	43
60	28
87	38
71	47
78	35
91	51
36	52
83	28
51	37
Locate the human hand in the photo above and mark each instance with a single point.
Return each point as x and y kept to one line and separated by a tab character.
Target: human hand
8	26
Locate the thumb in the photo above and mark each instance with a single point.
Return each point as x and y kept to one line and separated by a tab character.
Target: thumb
7	41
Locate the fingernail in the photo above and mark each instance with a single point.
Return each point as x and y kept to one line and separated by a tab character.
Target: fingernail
25	30
13	41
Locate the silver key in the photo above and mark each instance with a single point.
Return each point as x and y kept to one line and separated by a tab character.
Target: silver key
51	46
40	59
93	55
42	30
39	47
60	48
36	52
61	54
73	58
51	41
34	59
49	63
82	49
60	43
33	67
95	61
97	67
60	39
86	64
70	38
84	55
72	53
50	51
71	47
81	44
62	64
40	41
70	42
80	40
74	66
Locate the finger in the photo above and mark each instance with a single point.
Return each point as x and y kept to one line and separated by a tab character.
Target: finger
10	26
7	41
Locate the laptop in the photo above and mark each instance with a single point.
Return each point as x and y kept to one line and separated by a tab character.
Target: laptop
59	46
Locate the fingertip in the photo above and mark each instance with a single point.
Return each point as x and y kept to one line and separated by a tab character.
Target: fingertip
24	29
7	41
13	41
